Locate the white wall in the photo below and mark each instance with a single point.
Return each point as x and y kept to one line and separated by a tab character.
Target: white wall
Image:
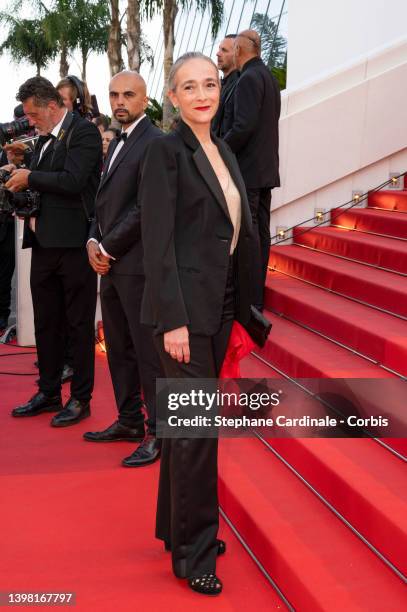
25	321
341	133
326	34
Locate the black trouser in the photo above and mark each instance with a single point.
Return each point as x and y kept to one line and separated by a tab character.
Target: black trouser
259	202
187	508
133	360
64	289
7	264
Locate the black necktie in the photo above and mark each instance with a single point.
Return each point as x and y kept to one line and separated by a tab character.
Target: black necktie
122	136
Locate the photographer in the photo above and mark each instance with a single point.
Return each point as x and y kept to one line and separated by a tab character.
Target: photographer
12	156
65	172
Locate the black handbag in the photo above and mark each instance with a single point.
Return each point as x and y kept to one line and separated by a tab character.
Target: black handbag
258	327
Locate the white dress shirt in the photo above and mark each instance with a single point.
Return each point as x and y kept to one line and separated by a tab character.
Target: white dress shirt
55	133
116	152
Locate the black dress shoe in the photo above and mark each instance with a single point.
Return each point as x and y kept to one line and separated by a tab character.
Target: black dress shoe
116	433
37	404
148	452
67	373
73	412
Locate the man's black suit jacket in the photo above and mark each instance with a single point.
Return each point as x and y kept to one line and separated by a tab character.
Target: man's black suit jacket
254	134
117	217
223	120
66	178
187	233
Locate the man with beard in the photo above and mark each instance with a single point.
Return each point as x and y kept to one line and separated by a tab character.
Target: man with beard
115	251
223	120
65	170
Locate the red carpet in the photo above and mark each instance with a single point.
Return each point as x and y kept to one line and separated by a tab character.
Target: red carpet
388	200
317	560
367	248
371	220
369	285
343	320
73	520
311	555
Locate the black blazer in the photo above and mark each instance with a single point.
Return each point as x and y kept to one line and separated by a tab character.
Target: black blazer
223	120
254	134
187	232
62	178
117	217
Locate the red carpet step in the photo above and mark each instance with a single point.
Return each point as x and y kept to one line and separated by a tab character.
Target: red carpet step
315	559
375	287
370	220
354	325
302	354
364	484
388	200
368	248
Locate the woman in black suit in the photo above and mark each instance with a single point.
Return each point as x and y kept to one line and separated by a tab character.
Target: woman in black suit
196	232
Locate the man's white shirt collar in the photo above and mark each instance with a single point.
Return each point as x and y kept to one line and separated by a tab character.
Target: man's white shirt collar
133	125
56	129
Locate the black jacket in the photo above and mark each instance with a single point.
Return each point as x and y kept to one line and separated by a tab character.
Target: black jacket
66	178
223	120
254	134
117	217
187	232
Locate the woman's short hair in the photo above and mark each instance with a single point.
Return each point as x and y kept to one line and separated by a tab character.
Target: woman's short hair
183	60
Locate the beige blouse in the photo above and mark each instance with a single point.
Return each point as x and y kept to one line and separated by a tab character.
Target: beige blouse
232	197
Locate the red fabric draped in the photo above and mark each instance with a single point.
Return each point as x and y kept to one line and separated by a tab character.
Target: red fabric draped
240	345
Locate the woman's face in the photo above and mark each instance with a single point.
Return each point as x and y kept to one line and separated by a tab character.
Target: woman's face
197	91
107	137
65	93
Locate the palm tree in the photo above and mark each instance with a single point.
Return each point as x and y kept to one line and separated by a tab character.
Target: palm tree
114	46
133	34
26	41
91	28
170	9
71	24
58	28
273	45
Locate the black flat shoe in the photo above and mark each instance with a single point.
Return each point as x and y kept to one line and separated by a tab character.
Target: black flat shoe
116	433
207	584
38	404
148	452
221	547
73	412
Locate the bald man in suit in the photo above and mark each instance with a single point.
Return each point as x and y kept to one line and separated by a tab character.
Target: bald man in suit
115	251
253	137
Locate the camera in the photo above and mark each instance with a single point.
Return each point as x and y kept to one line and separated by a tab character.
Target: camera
24	204
13	129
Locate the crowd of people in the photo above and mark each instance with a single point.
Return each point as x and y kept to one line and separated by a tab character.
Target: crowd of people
177	227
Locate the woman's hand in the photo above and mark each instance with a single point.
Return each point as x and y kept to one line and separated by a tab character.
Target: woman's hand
176	343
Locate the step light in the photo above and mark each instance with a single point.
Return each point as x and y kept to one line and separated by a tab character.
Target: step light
319	215
357	196
396	181
281	232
